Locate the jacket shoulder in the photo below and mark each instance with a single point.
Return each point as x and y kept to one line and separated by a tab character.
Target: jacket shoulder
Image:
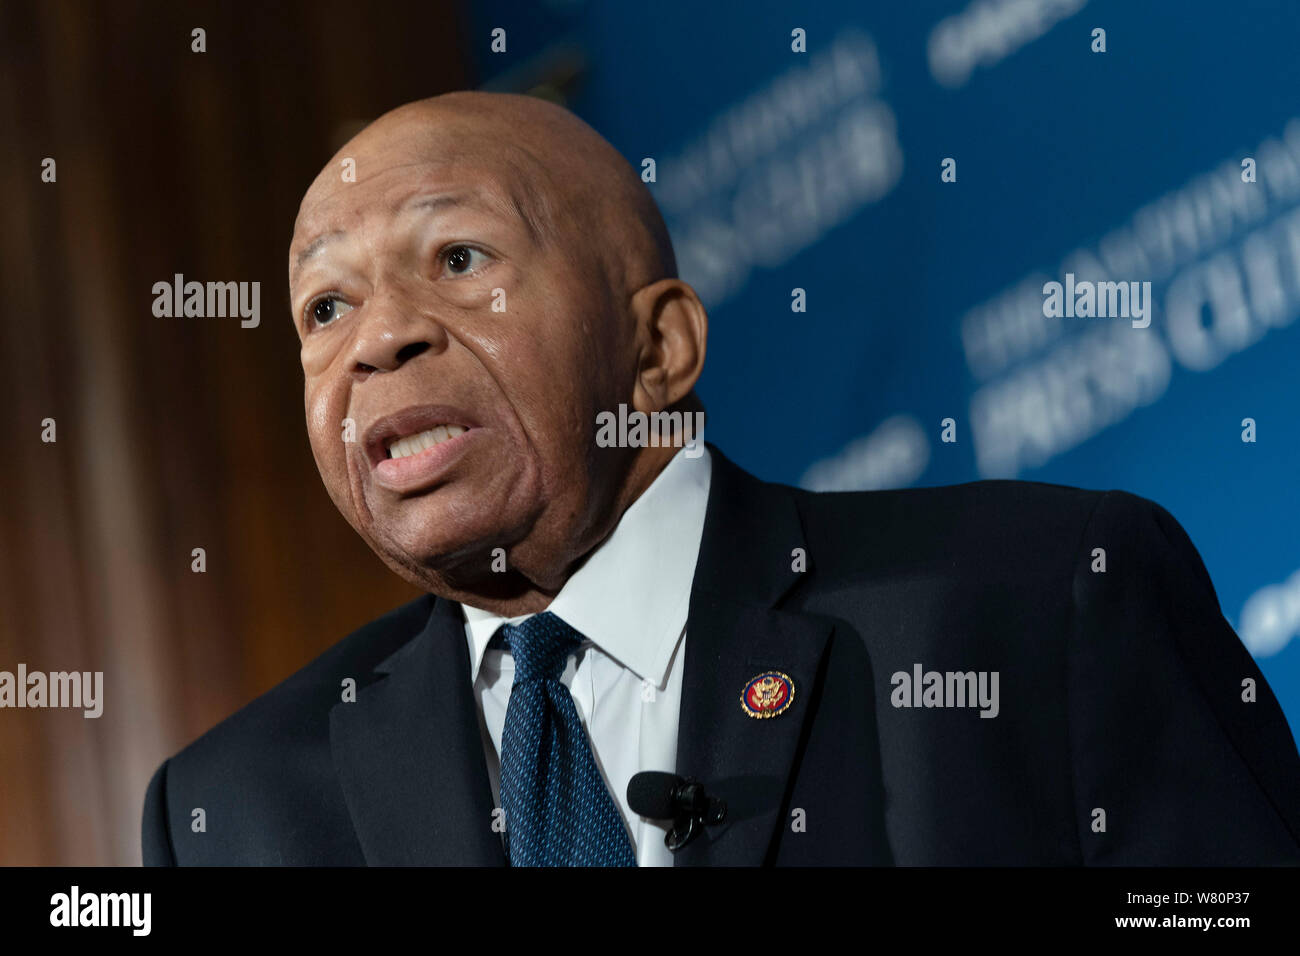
299	705
1000	527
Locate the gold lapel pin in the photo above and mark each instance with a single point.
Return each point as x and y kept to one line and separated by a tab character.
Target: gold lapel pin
768	695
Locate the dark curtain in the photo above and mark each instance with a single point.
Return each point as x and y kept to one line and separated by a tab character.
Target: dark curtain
172	434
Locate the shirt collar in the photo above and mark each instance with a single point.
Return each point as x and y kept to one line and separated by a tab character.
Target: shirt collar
632	594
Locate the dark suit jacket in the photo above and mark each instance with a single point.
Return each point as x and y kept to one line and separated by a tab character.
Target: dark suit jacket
1119	691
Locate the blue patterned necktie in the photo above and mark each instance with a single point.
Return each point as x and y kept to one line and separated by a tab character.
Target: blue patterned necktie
557	809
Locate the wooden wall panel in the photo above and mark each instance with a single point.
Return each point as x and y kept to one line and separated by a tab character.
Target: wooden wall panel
172	433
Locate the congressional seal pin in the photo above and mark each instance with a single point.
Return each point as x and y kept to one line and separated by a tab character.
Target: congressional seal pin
768	694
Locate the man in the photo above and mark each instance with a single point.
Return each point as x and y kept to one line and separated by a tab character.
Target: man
992	673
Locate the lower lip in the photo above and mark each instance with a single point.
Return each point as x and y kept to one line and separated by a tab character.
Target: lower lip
416	472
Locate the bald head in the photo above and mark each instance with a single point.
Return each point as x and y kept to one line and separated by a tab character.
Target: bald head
475	279
566	181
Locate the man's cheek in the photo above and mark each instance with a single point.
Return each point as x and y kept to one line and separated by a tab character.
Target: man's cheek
330	431
316	355
319	411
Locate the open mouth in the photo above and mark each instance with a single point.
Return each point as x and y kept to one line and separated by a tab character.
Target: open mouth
415	448
420	441
414	430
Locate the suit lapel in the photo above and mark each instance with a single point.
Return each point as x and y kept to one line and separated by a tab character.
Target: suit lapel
746	761
409	754
733	634
410	758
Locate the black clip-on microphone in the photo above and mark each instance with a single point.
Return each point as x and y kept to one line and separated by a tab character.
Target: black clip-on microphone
666	796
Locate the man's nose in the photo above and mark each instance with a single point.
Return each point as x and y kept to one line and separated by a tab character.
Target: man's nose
391	333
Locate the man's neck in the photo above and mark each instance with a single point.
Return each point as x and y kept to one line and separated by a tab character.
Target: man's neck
514	593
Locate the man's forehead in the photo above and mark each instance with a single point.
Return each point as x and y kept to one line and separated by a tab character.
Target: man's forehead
497	188
396	189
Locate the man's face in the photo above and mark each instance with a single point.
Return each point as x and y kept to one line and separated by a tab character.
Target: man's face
471	355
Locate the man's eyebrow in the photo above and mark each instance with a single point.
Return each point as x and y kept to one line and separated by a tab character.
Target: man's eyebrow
313	248
440	201
444	200
504	205
501	203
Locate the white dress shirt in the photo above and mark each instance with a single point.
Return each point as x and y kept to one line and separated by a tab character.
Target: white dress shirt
629	600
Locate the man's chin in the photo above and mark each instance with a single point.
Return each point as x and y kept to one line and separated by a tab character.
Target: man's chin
441	544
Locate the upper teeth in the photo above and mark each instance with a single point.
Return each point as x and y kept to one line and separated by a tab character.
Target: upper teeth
414	444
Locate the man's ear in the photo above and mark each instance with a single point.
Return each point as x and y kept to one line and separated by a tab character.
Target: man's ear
672	328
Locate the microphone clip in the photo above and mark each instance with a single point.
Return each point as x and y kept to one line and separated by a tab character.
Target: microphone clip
695	810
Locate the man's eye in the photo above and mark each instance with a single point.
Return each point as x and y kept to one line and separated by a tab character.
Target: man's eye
459	260
326	310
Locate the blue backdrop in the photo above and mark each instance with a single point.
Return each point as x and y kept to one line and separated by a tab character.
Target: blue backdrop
822	171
